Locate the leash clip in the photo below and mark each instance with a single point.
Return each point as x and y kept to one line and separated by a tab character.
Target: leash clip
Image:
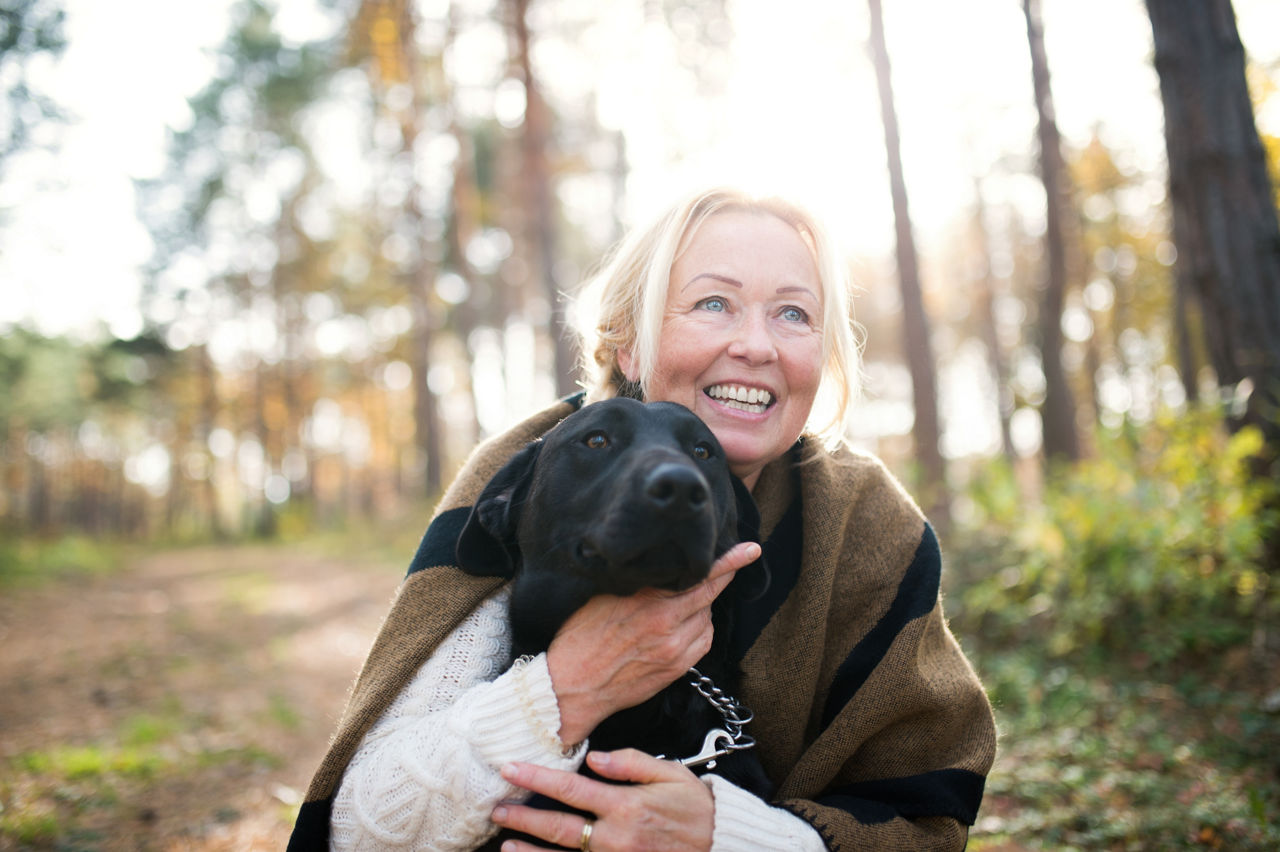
719	742
711	751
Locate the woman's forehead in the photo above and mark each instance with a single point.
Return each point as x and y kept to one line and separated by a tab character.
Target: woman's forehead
730	247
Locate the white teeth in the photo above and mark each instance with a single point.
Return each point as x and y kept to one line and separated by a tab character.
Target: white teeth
745	399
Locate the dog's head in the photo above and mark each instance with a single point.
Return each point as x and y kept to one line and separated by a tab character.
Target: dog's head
619	496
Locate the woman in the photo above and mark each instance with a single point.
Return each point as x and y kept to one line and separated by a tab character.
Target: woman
869	719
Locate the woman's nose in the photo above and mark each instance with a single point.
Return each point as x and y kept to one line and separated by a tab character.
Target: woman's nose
753	343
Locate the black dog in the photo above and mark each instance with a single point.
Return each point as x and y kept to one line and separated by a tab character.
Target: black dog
618	497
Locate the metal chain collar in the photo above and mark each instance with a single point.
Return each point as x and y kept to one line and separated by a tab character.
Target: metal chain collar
719	742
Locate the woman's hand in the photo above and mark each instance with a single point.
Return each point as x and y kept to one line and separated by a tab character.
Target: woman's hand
616	652
664	808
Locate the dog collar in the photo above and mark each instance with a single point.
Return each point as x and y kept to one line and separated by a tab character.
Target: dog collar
722	741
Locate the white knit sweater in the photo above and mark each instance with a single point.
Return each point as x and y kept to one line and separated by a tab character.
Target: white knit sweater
426	775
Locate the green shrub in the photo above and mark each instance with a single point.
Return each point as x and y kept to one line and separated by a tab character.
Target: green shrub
29	560
1155	546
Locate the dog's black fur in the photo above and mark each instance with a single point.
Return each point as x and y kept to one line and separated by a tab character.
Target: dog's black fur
619	496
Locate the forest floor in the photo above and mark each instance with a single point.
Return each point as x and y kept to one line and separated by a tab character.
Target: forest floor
182	700
180	703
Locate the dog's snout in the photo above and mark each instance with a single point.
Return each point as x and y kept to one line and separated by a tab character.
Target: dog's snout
676	488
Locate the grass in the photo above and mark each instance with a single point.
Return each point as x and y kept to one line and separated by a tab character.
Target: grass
60	797
1117	758
386	540
160	743
92	762
146	729
30	826
282	713
27	561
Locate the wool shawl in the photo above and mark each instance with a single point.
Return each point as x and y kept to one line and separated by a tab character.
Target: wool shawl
868	716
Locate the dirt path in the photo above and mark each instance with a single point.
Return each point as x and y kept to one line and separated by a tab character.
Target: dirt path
181	704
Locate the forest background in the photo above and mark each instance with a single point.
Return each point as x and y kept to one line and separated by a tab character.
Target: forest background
241	355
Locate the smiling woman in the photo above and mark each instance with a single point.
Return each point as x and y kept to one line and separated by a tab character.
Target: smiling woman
740	313
869	722
741	338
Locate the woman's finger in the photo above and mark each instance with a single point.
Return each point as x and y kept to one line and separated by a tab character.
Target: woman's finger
740	555
722	573
615	652
570	788
664	805
636	766
558	827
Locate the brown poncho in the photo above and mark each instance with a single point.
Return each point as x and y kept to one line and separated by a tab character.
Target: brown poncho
869	718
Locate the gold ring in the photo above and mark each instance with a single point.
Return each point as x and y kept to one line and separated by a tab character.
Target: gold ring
584	842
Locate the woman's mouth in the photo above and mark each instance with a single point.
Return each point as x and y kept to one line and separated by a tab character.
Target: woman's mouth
753	400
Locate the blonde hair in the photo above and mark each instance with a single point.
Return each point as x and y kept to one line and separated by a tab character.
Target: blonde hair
621	306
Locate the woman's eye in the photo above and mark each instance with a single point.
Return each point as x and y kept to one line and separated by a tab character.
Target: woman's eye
702	452
713	303
596	440
793	314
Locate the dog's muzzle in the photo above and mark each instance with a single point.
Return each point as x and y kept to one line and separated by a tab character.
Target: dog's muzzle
676	489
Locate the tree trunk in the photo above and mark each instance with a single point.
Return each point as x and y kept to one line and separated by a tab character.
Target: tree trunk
420	279
986	308
539	212
1061	443
208	419
264	523
425	409
1185	343
1224	214
919	350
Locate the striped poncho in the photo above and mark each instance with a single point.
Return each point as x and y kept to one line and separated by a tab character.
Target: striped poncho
869	719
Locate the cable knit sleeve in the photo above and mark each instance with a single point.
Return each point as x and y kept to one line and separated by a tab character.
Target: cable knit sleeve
426	774
745	823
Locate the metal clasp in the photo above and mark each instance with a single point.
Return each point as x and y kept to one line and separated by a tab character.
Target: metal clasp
712	749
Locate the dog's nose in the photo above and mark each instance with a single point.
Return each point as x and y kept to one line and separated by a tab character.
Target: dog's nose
676	488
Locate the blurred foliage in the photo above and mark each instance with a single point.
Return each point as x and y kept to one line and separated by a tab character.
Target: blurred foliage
42	379
1115	760
1152	547
388	539
27	561
30	30
53	382
1119	619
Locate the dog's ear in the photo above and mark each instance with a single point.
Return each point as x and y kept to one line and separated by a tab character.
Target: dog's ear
487	546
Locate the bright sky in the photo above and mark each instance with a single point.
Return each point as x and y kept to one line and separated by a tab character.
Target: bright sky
800	114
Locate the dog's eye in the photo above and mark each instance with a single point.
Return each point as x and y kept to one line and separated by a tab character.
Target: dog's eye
596	440
702	452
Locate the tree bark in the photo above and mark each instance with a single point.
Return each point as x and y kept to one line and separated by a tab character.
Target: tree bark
1184	339
419	280
919	350
264	523
1061	442
1224	214
539	211
986	309
207	422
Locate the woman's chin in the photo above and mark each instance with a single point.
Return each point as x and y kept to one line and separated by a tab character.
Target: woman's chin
746	457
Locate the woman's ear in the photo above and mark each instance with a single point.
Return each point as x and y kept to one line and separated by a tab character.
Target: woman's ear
627	365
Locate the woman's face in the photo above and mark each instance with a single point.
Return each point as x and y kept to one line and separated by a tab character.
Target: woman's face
741	341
